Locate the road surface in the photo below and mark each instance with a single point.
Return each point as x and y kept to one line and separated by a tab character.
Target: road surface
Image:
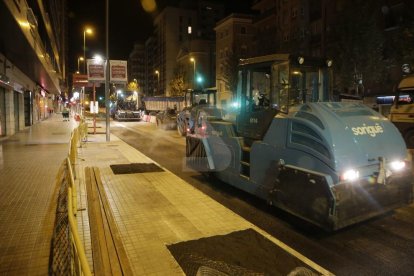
380	246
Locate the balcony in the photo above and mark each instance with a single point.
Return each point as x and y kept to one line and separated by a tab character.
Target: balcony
22	45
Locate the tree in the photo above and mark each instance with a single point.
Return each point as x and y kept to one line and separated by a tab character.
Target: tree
399	26
178	84
133	86
230	70
358	44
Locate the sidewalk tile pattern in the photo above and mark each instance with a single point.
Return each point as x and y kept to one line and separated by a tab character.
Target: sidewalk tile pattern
153	210
29	162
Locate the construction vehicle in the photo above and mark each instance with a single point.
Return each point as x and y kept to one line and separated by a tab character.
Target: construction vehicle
333	164
161	103
126	107
193	101
402	110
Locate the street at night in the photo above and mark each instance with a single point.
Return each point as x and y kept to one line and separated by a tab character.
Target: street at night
207	137
380	246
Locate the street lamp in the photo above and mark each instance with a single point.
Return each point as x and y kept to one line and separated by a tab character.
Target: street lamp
97	60
194	71
79	59
158	80
85	31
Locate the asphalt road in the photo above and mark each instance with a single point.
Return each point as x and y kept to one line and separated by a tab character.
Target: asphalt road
380	246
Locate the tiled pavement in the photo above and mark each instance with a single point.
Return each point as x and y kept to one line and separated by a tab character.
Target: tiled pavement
151	210
29	162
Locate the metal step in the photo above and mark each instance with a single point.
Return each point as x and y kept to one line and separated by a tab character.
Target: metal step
245	176
245	168
244	163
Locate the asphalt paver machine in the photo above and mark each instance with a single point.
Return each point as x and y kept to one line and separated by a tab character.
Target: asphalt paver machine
330	163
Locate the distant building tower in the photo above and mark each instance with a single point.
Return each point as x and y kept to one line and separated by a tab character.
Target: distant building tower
151	65
136	65
181	33
234	40
171	29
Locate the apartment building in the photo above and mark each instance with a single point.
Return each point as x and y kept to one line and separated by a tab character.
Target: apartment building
150	87
234	40
181	34
32	61
136	65
171	29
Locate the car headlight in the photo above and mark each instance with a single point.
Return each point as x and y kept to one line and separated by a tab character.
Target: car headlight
350	175
397	165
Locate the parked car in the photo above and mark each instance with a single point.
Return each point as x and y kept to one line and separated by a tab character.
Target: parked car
167	119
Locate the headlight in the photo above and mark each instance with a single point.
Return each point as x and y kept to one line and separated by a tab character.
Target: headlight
397	165
235	104
350	175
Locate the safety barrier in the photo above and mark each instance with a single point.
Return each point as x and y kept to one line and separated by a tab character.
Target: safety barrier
78	136
67	253
83	131
78	257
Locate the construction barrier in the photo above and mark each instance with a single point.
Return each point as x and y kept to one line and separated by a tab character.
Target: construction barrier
67	252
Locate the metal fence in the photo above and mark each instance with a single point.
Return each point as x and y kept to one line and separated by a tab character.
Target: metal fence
67	252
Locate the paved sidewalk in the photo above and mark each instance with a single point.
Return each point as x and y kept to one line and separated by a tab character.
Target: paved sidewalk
151	210
29	162
156	209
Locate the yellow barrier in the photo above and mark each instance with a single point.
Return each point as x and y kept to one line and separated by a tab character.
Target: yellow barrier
80	263
79	135
83	132
73	144
73	187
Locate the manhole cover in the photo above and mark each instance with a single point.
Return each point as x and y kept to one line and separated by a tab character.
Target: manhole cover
135	168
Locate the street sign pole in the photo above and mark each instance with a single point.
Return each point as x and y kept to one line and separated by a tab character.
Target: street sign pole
94	111
107	100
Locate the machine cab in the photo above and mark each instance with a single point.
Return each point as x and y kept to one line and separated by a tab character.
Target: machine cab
200	97
272	84
405	91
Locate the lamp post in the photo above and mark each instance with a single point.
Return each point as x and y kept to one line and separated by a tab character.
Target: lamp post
82	96
79	59
85	31
108	101
97	60
158	80
194	71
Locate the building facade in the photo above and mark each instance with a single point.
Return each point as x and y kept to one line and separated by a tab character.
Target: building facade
32	61
234	40
377	30
150	87
181	34
136	65
171	30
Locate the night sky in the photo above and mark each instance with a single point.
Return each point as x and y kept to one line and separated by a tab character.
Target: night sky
128	23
